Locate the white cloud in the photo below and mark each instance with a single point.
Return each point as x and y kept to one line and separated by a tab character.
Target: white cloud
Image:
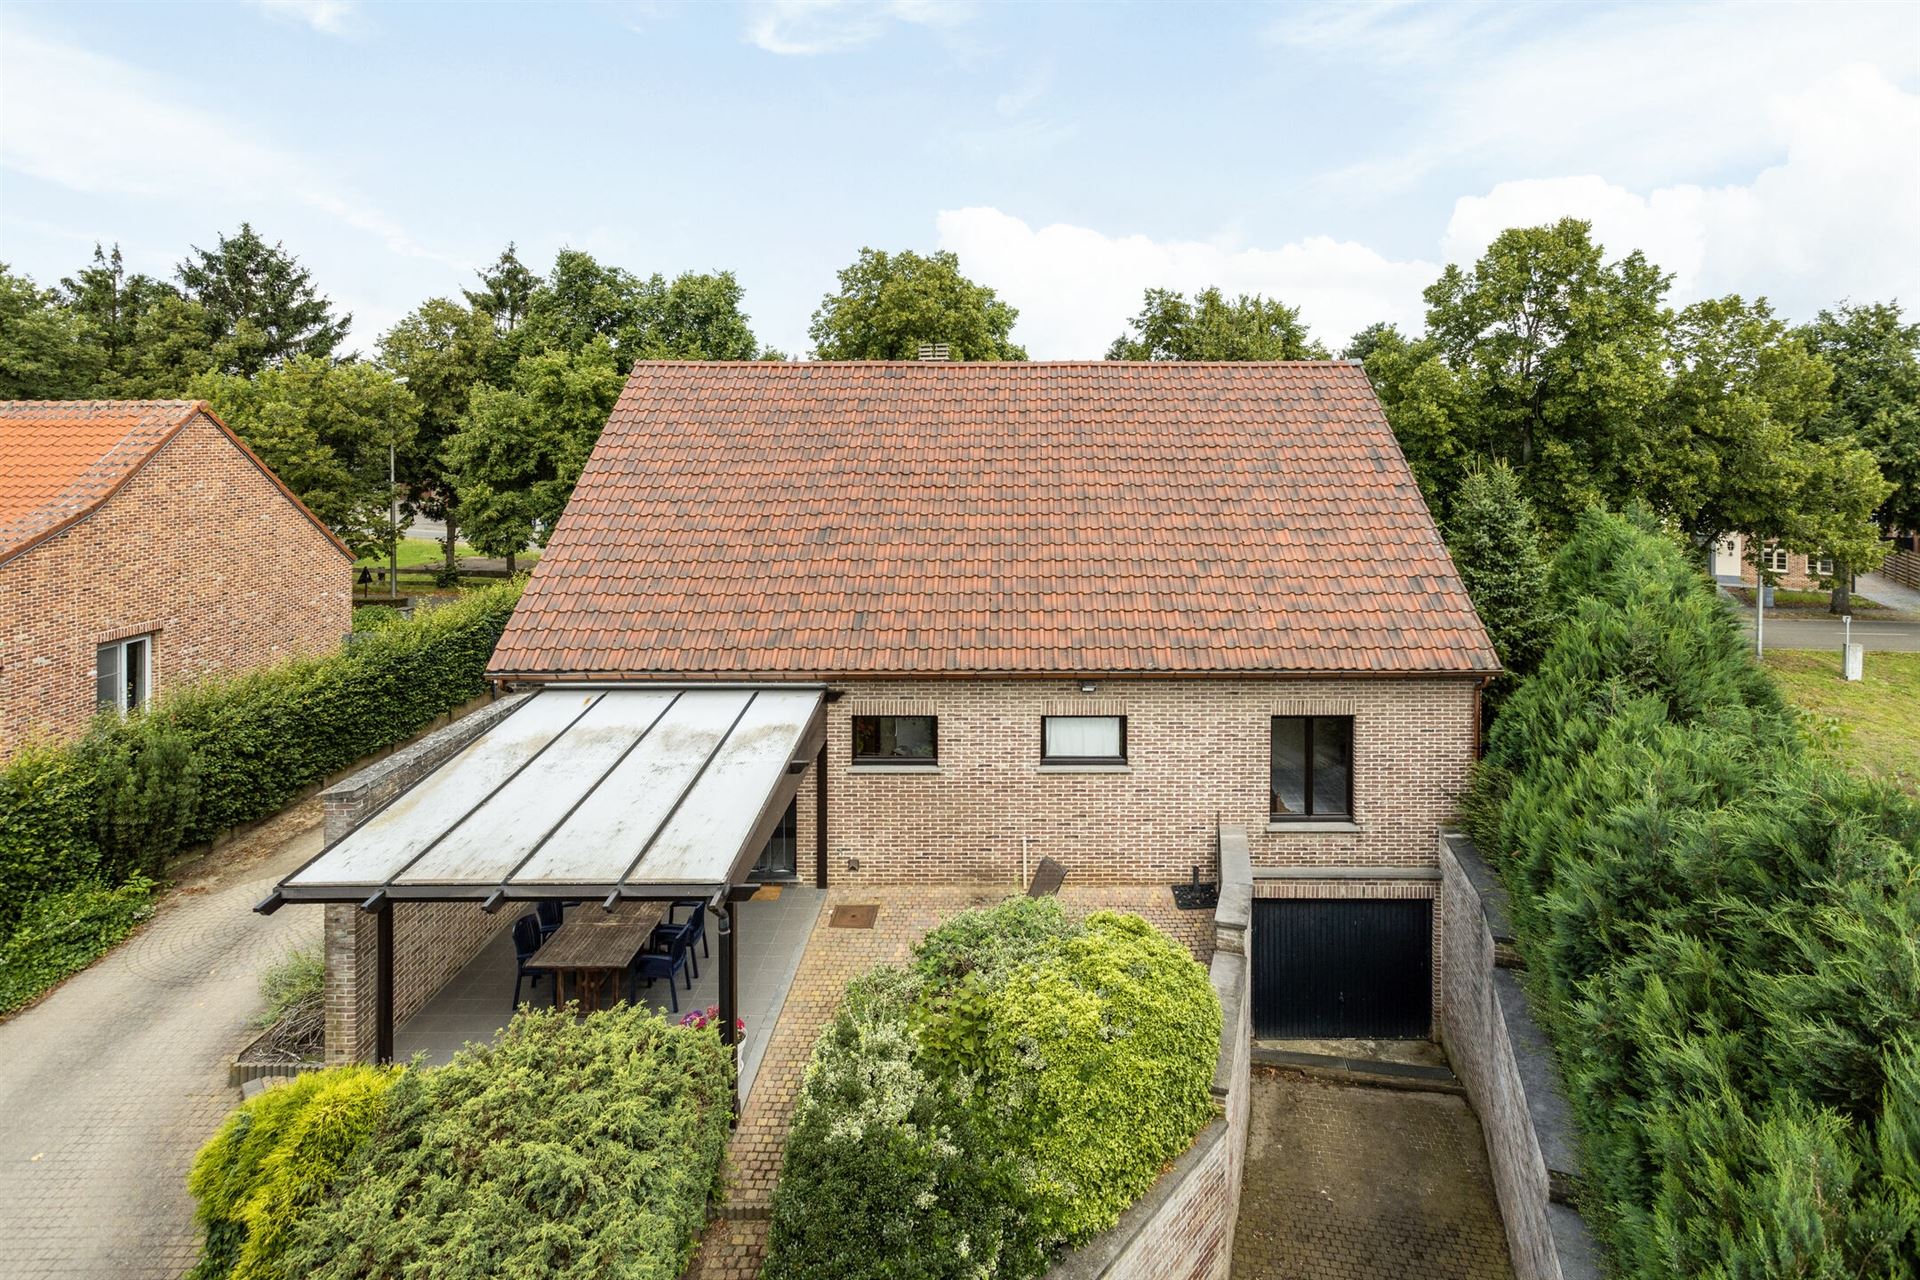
96	125
806	27
1838	216
1647	94
1076	287
329	17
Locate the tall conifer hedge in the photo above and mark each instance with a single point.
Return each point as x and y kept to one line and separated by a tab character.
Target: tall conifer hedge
1722	931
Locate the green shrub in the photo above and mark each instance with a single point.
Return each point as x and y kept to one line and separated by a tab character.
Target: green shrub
297	979
62	933
275	1159
564	1148
1011	1089
1720	930
375	617
215	755
1100	1069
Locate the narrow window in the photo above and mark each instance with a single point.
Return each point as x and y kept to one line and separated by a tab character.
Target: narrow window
1083	739
122	674
895	740
1775	558
1823	567
1312	774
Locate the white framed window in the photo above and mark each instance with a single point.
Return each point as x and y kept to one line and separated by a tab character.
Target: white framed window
1823	567
1083	739
1774	558
123	674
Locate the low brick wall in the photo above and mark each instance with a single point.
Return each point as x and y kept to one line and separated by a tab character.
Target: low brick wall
432	941
1183	1228
1503	1059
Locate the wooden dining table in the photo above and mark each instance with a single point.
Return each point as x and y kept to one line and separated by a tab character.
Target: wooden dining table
595	949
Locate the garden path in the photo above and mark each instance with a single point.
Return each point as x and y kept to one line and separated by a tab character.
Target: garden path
111	1083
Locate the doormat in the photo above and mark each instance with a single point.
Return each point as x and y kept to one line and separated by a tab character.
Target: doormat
767	893
858	915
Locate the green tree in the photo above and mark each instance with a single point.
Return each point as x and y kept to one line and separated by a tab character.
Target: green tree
1495	542
1368	340
695	317
46	352
518	450
888	304
1434	415
505	292
261	304
1563	357
1875	356
1211	328
443	350
152	340
324	429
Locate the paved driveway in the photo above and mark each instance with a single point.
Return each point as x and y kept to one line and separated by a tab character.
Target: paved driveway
1346	1182
109	1086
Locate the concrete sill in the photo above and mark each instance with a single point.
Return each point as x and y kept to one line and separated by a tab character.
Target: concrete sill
1314	828
895	770
1084	768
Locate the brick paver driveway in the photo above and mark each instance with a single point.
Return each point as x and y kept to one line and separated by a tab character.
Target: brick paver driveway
1345	1182
109	1086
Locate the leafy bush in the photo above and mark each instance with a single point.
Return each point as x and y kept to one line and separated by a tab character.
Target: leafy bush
297	978
1099	1069
1011	1089
275	1159
564	1148
63	933
215	755
1720	928
375	617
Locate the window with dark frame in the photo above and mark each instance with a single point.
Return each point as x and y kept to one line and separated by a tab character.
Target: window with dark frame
1083	739
896	740
1312	773
123	674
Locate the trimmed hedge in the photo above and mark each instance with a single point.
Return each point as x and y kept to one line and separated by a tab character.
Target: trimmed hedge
1008	1093
63	933
135	791
565	1148
1720	930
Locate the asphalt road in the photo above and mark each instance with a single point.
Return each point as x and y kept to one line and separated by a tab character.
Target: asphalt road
1819	633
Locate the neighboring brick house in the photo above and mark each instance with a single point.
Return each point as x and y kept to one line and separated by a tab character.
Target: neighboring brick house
143	546
1736	559
1087	611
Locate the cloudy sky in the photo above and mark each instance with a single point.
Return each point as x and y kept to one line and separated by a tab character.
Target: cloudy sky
1334	156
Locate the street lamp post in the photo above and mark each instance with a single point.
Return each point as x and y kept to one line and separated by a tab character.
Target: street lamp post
393	528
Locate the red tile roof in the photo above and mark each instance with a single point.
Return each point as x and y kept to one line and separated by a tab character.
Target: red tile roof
60	459
930	518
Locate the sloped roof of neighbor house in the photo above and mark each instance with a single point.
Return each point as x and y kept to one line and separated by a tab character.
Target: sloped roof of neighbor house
60	459
926	518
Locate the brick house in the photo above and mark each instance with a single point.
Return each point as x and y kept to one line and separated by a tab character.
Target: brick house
1737	557
143	546
969	616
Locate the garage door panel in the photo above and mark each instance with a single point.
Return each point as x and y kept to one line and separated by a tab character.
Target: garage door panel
1348	967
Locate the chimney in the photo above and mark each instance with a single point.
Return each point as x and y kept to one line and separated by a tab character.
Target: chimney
935	351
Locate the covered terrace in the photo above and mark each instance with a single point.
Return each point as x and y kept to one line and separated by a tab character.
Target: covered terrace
598	806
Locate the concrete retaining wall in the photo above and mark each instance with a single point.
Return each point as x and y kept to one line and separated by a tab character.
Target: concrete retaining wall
1183	1228
1503	1059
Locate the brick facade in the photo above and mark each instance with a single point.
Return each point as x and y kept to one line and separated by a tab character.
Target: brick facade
200	550
1198	756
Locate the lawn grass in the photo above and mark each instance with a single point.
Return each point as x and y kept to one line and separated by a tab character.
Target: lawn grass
1875	722
1785	599
416	551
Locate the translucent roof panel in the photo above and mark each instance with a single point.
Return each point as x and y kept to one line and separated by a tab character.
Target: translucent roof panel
583	788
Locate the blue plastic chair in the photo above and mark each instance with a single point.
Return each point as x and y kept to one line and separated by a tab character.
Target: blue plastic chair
653	964
527	938
670	937
548	911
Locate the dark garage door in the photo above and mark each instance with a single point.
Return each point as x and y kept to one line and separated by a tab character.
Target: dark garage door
1347	967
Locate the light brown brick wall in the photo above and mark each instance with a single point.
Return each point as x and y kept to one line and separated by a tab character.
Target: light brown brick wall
432	941
200	549
1198	756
